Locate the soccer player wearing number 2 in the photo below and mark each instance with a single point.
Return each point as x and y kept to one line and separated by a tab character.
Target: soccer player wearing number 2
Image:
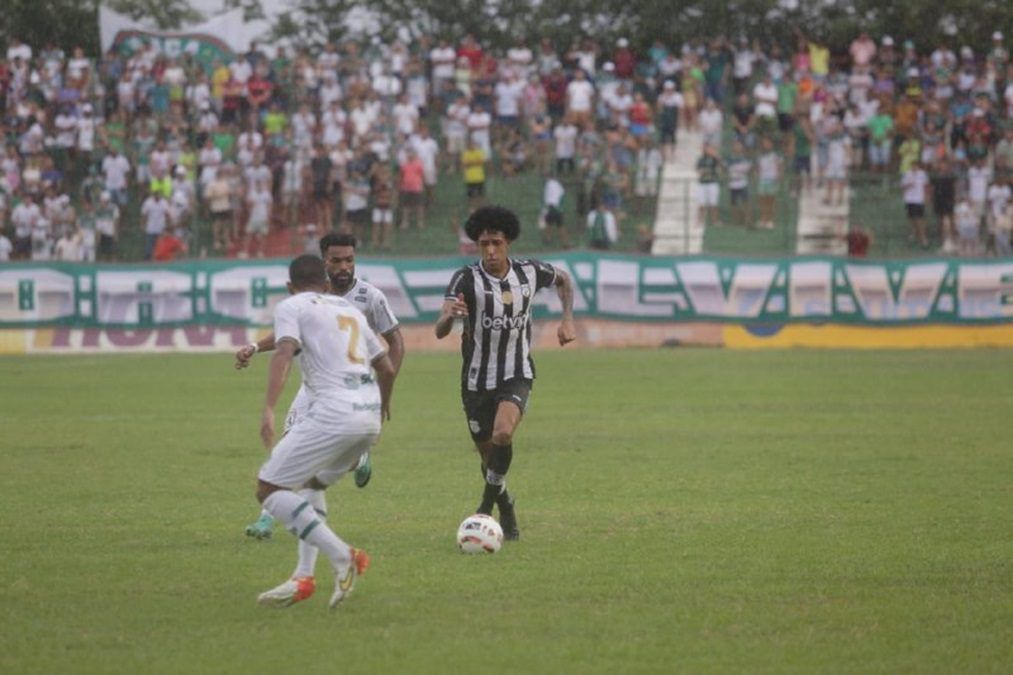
493	297
338	354
338	251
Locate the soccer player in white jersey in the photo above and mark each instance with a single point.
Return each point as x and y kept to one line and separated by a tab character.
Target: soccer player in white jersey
493	297
338	354
338	251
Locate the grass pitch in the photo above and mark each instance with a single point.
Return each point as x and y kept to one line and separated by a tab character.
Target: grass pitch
681	511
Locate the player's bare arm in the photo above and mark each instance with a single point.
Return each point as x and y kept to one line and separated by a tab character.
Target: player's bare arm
281	366
564	287
245	353
385	374
452	309
395	348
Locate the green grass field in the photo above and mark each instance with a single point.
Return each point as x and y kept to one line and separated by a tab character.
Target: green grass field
682	511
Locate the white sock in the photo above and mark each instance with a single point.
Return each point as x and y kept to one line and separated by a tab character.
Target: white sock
307	552
299	518
265	513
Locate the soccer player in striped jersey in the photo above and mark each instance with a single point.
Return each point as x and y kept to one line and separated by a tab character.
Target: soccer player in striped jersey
493	297
338	251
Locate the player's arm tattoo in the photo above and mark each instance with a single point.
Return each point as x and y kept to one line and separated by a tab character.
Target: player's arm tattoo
564	287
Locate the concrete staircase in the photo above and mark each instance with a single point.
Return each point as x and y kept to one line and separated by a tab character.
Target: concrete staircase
822	227
676	227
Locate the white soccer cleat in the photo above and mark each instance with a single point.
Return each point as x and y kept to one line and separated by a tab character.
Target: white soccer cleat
344	579
288	593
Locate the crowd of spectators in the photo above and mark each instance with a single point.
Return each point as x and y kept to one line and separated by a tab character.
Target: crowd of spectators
208	159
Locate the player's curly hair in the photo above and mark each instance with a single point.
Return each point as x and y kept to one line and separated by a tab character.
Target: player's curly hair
307	271
494	218
337	239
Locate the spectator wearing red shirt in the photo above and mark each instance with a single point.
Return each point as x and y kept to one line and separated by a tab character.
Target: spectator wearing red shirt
640	116
555	94
259	90
471	50
168	246
411	187
624	60
859	240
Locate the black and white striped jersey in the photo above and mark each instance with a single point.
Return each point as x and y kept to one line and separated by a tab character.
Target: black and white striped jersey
496	342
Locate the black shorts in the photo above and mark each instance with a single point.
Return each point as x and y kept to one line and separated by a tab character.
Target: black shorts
22	247
480	406
739	196
106	245
553	216
475	189
358	216
915	210
942	206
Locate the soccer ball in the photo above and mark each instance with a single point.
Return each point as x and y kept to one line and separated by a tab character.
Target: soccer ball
479	534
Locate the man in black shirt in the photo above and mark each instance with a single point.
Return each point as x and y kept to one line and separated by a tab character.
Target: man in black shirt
493	297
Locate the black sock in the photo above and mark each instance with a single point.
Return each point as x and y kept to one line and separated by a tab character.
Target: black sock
498	464
489	496
500	458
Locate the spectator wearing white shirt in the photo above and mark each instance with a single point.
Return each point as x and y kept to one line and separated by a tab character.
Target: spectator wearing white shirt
765	104
18	49
711	123
6	248
508	93
406	116
259	201
565	137
554	226
41	238
580	98
915	183
68	246
428	151
155	212
479	124
442	57
521	58
116	169
455	130
742	65
24	217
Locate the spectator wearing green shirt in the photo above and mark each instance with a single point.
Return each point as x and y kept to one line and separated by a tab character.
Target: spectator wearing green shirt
225	140
276	121
880	128
787	95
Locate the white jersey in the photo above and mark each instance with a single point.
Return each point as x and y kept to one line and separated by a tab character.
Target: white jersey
371	301
337	348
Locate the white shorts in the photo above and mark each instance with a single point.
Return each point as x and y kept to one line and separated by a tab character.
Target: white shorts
707	194
257	226
455	143
314	449
383	216
836	171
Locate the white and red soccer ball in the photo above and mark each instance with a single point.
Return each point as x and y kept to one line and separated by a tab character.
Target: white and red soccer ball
479	534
